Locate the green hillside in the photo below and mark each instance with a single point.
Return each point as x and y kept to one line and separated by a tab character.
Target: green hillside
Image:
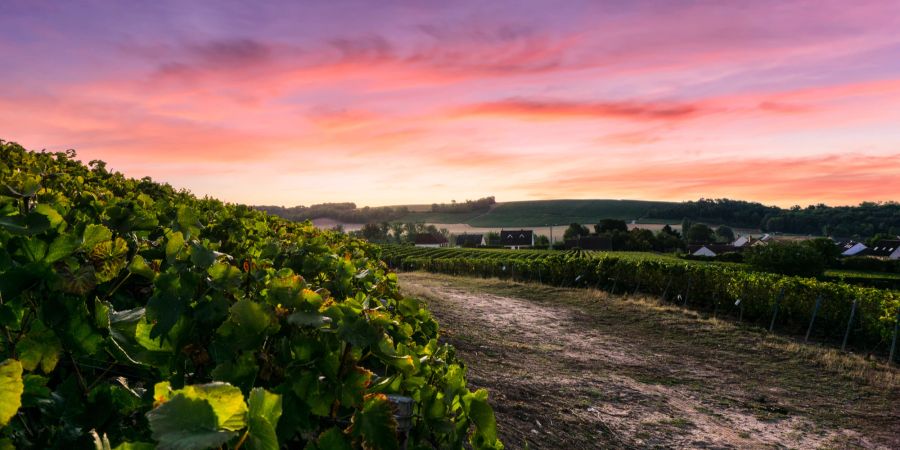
546	212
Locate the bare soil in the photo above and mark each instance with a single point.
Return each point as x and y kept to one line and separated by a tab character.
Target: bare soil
570	368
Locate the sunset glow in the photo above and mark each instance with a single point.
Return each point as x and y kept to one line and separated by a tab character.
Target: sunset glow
385	103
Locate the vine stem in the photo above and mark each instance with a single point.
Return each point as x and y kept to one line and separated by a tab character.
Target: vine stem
243	439
113	291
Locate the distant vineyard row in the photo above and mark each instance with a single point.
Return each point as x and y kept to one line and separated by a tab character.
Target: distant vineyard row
723	288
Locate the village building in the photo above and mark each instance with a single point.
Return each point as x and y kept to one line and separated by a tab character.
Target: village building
470	240
852	248
711	250
430	240
516	239
886	249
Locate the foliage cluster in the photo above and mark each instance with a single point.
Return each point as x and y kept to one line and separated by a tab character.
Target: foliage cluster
144	316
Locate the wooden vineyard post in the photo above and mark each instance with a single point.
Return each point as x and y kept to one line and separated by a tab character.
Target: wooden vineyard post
686	292
740	302
615	282
666	290
894	340
775	310
638	287
813	319
849	324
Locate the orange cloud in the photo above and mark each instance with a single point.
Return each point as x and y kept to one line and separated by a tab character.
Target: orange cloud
556	109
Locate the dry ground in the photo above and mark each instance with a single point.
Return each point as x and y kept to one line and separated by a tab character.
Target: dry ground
575	369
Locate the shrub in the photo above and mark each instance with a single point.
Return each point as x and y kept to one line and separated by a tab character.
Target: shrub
788	258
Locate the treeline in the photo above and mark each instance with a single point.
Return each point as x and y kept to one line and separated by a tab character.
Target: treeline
866	219
613	234
343	212
482	204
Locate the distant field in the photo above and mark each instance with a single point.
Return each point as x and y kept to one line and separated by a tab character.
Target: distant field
547	212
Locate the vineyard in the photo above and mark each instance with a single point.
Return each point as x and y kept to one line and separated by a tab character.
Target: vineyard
823	310
134	315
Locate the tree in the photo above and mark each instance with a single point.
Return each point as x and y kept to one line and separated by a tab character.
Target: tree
827	249
492	238
725	233
396	231
607	225
699	233
576	230
667	229
668	241
373	232
541	241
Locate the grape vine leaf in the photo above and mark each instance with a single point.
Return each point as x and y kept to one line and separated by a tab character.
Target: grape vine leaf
481	413
226	400
184	423
11	388
374	426
39	347
332	439
265	410
109	258
93	235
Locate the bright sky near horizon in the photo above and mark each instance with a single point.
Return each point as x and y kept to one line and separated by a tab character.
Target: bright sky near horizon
396	102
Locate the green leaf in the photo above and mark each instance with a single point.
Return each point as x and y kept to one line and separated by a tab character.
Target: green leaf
224	276
184	423
265	410
481	413
139	266
226	400
51	214
201	256
80	333
11	388
167	303
333	439
39	347
142	336
93	235
101	313
33	223
174	246
61	247
265	404
109	258
188	221
248	324
359	332
374	426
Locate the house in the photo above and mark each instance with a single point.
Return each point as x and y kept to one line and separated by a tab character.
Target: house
517	239
887	249
711	250
470	240
430	240
765	239
851	248
742	241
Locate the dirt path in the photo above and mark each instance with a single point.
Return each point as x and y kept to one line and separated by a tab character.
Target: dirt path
578	369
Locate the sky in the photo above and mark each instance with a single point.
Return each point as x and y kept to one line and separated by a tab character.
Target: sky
402	102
